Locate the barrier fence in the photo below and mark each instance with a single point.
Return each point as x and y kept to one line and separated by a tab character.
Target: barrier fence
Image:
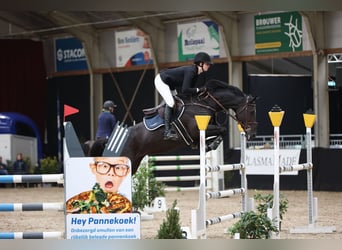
198	216
273	213
24	207
48	206
180	165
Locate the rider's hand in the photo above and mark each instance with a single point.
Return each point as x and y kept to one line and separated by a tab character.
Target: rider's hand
202	90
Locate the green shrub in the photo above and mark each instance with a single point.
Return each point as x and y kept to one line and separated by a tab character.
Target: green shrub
265	201
171	228
256	225
49	165
145	188
253	226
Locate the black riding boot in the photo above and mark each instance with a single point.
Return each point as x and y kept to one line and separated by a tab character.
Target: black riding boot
169	133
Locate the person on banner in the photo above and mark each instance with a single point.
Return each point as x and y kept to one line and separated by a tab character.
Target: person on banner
104	197
184	78
106	120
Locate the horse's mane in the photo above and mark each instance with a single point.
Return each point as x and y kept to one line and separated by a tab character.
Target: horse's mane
214	84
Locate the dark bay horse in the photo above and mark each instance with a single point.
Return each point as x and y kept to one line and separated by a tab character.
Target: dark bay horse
218	97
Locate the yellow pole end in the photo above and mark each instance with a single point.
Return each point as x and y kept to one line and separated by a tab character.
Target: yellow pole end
309	120
202	121
276	117
240	128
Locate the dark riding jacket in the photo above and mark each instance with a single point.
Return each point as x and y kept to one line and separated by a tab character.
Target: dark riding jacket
105	124
184	77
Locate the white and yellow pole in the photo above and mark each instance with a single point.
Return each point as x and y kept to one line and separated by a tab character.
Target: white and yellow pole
202	123
243	170
276	116
309	120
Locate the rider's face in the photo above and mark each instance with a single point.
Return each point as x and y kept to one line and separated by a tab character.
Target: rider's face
206	66
203	67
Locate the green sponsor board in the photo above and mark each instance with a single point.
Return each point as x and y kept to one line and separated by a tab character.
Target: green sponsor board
278	32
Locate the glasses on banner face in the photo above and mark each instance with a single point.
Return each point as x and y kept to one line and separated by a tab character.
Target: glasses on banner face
104	168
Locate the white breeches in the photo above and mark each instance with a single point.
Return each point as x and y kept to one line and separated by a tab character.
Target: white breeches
165	91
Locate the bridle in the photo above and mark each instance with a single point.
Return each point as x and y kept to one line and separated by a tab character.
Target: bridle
246	124
250	103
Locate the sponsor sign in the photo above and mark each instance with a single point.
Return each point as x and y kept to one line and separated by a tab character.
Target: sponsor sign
93	209
196	37
261	162
69	55
132	48
278	32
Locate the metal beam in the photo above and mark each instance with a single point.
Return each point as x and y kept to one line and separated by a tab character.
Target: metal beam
89	38
314	22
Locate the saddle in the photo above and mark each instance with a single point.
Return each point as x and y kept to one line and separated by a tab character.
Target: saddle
154	119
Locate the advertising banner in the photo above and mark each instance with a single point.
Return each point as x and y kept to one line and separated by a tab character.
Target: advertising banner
132	48
98	199
278	32
196	37
69	55
261	162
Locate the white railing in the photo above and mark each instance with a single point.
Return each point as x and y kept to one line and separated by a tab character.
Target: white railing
290	141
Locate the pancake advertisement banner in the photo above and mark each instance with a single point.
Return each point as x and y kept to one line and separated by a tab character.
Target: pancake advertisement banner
98	199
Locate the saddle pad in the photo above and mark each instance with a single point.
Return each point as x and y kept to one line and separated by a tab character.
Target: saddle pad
153	122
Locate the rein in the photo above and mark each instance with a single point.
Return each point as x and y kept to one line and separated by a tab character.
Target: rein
226	111
244	124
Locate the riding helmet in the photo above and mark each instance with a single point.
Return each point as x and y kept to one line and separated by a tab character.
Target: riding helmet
107	104
202	57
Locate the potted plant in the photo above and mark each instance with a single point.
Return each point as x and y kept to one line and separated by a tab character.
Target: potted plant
265	201
256	225
49	165
253	225
145	188
171	228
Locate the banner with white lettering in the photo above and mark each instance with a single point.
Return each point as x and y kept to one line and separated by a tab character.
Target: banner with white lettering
278	32
196	37
261	162
103	226
132	48
98	199
69	55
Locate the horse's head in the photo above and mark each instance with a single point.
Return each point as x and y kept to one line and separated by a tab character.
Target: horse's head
246	117
230	97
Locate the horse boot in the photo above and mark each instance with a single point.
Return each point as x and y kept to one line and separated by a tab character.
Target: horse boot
169	133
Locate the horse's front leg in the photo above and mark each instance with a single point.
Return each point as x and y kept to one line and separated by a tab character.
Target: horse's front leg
215	134
215	130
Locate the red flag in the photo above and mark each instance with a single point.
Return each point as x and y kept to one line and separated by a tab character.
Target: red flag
68	110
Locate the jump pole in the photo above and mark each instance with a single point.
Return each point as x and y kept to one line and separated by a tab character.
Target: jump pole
309	120
245	204
276	115
199	225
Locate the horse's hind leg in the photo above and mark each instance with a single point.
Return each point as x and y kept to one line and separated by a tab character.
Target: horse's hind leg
136	164
98	147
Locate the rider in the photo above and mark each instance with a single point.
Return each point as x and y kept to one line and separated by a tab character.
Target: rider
106	121
183	77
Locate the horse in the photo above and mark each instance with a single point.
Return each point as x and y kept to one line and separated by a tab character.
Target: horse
217	97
